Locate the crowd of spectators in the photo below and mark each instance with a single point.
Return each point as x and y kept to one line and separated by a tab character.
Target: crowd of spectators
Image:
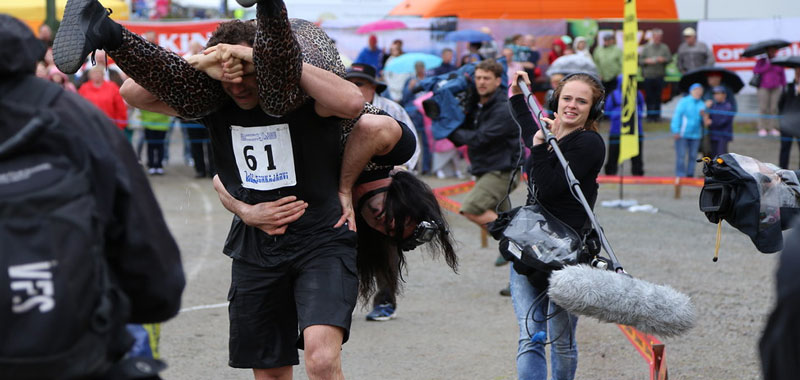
520	53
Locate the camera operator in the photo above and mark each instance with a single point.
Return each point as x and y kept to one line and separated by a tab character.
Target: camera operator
493	146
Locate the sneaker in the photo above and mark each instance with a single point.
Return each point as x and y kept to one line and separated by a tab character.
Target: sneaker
84	28
506	292
152	171
247	3
774	132
381	313
500	261
160	171
762	132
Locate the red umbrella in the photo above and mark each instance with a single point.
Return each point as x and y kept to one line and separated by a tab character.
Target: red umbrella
381	25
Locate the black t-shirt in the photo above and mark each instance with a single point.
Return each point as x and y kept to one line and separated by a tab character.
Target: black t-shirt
261	158
585	152
400	154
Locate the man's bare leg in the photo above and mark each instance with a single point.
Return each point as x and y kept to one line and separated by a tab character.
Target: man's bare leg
323	352
280	373
483	219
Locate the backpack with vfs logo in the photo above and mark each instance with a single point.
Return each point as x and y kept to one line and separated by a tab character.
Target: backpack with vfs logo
61	317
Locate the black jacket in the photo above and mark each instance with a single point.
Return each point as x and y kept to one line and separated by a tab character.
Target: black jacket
780	343
584	151
491	136
141	253
789	109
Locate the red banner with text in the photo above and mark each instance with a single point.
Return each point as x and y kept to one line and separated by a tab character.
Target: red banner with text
176	36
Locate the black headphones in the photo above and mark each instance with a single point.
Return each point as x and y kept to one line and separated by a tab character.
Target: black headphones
597	108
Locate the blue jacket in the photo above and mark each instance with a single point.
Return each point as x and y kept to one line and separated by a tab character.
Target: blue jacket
371	57
721	127
731	96
687	120
613	109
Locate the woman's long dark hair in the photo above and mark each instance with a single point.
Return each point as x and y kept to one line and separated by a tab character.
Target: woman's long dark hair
380	260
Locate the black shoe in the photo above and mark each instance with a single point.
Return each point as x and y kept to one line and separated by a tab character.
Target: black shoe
247	3
199	175
84	28
506	292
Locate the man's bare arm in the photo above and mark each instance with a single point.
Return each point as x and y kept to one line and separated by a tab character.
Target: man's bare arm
140	98
333	95
211	64
271	217
190	92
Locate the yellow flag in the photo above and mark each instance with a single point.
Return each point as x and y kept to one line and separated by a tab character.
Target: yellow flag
629	132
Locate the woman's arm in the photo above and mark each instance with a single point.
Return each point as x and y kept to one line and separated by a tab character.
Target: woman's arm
583	152
373	135
333	95
677	118
520	111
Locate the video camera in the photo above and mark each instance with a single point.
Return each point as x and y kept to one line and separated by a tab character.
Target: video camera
758	199
454	95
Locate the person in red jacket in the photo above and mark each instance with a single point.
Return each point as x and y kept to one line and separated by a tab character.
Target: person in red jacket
105	95
556	50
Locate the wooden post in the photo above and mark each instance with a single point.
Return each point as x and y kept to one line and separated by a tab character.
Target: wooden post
484	238
659	363
677	187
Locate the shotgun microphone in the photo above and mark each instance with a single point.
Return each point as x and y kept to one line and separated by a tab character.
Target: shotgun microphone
619	298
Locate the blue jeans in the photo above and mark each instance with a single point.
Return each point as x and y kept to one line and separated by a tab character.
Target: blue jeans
686	156
531	362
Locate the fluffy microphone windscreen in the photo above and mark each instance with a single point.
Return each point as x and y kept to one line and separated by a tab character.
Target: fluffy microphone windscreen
619	298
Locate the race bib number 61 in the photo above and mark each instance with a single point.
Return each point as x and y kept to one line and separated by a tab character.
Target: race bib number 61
264	156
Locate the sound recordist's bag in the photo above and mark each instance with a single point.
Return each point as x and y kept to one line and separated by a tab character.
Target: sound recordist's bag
533	237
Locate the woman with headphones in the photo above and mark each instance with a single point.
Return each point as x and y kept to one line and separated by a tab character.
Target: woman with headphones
578	104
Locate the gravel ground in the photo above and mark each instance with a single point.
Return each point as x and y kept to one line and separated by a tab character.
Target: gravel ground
456	326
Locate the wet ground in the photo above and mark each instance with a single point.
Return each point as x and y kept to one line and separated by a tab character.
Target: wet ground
456	326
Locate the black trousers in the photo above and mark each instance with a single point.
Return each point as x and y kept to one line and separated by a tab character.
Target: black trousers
719	147
200	146
155	147
610	86
637	164
786	149
652	97
387	292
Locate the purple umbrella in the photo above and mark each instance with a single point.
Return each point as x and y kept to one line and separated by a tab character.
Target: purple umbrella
381	25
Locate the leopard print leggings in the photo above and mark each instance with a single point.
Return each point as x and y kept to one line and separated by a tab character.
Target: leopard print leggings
281	46
190	92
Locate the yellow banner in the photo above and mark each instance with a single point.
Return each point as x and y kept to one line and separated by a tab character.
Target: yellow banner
629	132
